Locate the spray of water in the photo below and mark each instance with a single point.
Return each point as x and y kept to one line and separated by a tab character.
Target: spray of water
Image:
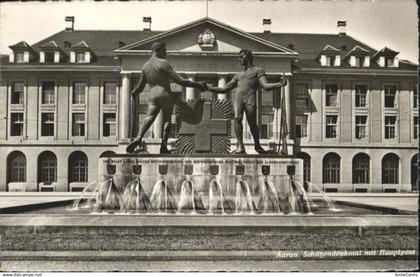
330	204
243	198
83	195
215	197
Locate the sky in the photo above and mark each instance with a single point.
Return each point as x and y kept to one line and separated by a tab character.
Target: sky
378	23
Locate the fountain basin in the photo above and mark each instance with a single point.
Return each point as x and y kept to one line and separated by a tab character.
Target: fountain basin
192	183
162	238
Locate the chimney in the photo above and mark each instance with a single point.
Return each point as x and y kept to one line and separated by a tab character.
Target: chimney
147	23
69	23
267	25
341	25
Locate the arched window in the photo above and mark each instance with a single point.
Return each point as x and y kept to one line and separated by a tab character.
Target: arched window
415	173
16	167
106	154
361	169
78	167
331	169
390	164
47	167
306	168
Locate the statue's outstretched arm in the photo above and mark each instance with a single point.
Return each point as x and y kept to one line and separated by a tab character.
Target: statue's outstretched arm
183	81
228	87
269	86
140	85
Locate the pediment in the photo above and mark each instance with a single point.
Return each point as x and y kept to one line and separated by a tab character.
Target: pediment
207	35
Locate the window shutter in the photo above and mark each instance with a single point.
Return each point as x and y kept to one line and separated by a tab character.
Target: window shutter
337	61
367	61
381	61
87	57
56	57
323	60
42	57
72	57
352	60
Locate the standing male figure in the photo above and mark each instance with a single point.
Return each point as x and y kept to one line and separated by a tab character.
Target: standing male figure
247	82
157	72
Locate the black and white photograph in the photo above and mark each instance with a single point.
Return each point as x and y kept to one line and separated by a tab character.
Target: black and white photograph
209	136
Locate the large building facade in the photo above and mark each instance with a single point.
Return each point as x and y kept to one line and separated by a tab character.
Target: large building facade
352	111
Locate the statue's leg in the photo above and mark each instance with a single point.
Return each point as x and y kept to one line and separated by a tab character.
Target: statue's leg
238	110
152	112
251	116
167	115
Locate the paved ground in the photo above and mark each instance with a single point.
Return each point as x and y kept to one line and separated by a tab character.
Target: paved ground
336	265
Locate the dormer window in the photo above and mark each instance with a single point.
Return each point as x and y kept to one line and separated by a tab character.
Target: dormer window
330	60
358	57
51	53
49	57
80	57
22	53
359	61
386	58
330	56
389	62
20	57
81	53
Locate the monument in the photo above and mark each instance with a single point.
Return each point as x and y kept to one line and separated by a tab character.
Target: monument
199	175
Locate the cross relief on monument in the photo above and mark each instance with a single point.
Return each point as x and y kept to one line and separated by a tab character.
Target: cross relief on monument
205	127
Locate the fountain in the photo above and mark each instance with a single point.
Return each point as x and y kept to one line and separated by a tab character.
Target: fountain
188	208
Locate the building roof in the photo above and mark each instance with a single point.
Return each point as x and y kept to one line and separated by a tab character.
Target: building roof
309	46
102	42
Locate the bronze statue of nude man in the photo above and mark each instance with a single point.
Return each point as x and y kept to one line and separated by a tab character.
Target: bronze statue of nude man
158	73
247	82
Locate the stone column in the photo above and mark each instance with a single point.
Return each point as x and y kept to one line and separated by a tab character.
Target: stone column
221	84
288	111
190	93
125	107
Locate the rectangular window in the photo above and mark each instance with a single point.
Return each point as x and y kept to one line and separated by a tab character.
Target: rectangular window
331	95
47	124
19	57
110	93
390	123
301	126
78	125
17	96
47	96
109	125
390	96
415	97
389	62
361	171
360	61
331	127
267	126
49	57
80	57
302	95
416	127
361	130
330	60
361	93
79	93
16	124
